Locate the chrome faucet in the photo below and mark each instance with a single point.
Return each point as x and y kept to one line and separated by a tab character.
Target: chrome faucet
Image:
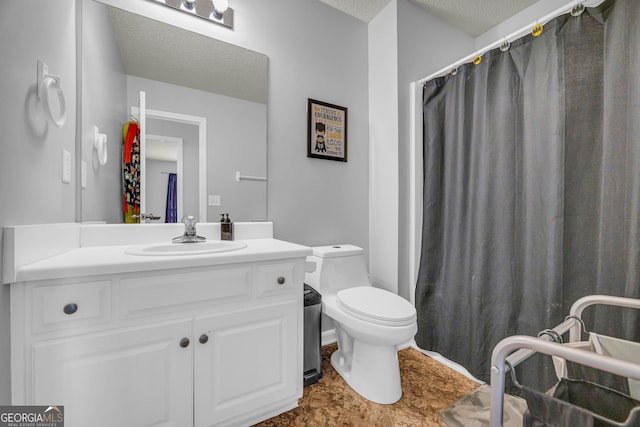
190	235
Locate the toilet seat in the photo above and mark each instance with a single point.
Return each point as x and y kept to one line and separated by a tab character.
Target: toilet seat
376	306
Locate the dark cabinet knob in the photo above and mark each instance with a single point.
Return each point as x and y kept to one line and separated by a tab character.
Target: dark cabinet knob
184	342
70	308
203	339
281	280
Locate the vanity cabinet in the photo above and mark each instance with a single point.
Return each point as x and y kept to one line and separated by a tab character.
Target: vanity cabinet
206	346
133	377
246	363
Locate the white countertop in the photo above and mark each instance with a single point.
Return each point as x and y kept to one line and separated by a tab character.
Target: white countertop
99	260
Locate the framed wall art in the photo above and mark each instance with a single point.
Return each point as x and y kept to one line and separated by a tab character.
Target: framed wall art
326	131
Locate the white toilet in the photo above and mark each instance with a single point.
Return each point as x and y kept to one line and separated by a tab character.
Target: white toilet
369	322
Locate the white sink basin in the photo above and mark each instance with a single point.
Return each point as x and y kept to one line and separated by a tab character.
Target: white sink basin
172	249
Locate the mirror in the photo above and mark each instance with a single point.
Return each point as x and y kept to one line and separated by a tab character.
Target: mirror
171	197
183	73
164	157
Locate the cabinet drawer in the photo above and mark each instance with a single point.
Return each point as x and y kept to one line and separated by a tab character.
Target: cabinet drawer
275	278
150	294
71	306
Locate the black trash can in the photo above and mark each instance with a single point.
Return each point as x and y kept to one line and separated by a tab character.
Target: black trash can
312	332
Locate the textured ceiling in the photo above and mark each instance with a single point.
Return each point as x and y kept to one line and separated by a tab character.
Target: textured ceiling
473	17
157	51
364	10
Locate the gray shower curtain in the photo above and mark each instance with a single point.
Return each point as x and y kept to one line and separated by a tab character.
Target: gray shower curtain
532	188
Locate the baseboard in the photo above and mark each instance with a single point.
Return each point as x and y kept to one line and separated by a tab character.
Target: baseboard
328	337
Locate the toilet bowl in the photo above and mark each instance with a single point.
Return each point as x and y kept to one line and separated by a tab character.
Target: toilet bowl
369	322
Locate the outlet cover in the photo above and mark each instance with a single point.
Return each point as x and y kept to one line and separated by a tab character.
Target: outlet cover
214	200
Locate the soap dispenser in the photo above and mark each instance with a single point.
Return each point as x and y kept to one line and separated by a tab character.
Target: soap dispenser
226	227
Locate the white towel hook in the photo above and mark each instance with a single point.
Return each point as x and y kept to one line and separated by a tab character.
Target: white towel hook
46	83
100	144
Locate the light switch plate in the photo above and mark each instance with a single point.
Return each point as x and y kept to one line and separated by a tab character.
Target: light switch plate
66	166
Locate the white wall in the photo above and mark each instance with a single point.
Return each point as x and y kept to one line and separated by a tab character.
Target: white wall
103	105
314	52
425	45
31	146
383	148
405	42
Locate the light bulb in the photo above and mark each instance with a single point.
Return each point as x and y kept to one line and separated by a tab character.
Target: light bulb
220	6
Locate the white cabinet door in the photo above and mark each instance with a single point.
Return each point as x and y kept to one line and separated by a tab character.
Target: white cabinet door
249	361
132	377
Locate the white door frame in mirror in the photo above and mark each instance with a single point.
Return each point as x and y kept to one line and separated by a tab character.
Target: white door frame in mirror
201	122
168	149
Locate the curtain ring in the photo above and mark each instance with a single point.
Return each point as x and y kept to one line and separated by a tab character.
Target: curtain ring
555	337
505	46
584	328
537	30
454	71
512	371
577	10
477	59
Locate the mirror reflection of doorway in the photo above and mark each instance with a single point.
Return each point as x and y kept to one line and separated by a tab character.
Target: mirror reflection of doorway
164	158
193	131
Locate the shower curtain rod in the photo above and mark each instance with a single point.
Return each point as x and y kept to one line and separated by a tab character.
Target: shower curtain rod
511	37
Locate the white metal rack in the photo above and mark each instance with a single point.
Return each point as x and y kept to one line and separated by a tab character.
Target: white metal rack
517	348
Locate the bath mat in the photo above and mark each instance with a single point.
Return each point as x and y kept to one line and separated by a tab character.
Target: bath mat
473	410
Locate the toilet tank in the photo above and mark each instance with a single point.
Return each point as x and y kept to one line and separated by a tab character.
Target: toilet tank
337	267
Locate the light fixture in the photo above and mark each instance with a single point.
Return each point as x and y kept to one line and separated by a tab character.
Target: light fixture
217	11
219	8
188	4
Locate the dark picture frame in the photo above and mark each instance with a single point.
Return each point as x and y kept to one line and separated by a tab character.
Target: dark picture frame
326	131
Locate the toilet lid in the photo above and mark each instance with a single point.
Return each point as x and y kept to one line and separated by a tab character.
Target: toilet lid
377	306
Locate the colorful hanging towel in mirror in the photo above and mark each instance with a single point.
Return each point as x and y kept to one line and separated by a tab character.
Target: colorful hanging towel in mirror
131	172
